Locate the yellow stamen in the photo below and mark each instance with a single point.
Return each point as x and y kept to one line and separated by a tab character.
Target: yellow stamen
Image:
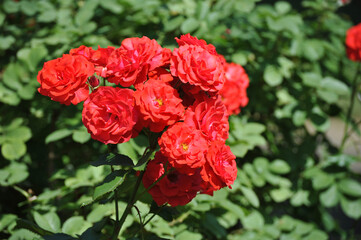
185	146
160	101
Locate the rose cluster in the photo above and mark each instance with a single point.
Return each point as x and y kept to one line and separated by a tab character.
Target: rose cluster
184	95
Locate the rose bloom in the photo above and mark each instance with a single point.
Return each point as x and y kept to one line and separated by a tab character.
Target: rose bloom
190	40
160	74
175	188
196	65
98	57
184	146
353	43
64	79
130	64
210	117
220	169
159	105
110	116
234	94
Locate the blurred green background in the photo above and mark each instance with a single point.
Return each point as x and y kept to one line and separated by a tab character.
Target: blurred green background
294	180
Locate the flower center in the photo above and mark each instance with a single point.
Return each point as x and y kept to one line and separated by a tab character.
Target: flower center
172	177
159	101
185	146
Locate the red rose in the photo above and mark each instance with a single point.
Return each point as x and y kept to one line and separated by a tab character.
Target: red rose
234	94
64	79
98	57
84	51
159	105
175	188
110	116
190	40
196	66
211	117
130	64
220	169
160	74
353	43
184	146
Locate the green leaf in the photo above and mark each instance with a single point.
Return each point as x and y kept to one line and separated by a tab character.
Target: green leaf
28	7
13	150
13	173
299	118
350	187
86	12
211	224
316	234
279	166
272	76
282	7
21	133
49	221
81	136
174	23
336	86
330	197
313	49
25	224
27	92
189	236
75	225
351	208
10	6
253	221
300	198
113	159
251	196
110	183
281	194
10	77
302	228
239	58
112	5
189	25
32	56
6	220
6	42
321	181
57	135
311	79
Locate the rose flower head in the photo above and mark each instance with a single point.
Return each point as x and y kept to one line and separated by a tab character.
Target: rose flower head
210	117
234	91
220	169
130	64
159	105
64	79
196	63
174	188
184	146
110	116
353	43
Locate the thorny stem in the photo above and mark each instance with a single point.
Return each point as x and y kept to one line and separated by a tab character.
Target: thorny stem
140	220
349	112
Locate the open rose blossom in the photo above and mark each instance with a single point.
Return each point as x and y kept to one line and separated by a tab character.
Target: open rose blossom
234	91
98	57
64	79
353	43
159	105
184	146
210	117
130	64
110	116
196	63
220	169
175	188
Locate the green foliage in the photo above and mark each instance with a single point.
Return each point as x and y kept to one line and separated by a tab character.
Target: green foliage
292	183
